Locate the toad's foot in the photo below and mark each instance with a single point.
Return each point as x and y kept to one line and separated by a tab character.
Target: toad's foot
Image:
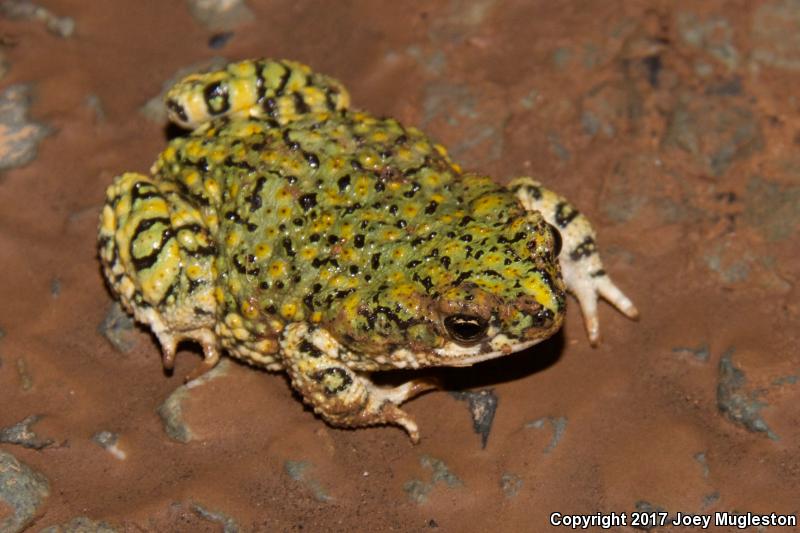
580	261
315	362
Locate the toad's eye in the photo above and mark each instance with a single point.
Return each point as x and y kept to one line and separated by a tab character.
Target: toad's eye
556	240
466	328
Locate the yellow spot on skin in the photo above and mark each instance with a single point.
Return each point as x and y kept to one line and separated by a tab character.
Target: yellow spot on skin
316	317
289	310
194	272
308	253
263	250
219	295
212	189
277	269
249	309
535	286
233	321
233	238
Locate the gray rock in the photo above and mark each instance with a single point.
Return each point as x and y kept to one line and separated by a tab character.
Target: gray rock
22	434
714	130
80	524
739	406
25	379
481	127
220	14
701	353
559	425
776	34
700	457
108	441
298	471
774	211
228	524
171	411
27	10
418	490
23	490
19	137
482	407
511	484
714	35
118	328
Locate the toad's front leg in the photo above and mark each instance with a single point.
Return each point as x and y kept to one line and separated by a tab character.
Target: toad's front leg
580	261
315	362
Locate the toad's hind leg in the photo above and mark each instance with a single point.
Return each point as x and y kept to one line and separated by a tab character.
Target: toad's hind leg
316	366
158	256
281	91
580	261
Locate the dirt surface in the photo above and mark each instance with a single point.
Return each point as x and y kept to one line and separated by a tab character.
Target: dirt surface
673	125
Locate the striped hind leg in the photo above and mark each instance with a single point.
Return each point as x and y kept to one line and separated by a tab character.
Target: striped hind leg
272	90
580	260
158	257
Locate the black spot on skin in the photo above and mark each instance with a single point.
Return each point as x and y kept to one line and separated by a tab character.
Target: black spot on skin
518	236
376	261
393	209
290	144
401	223
287	245
466	238
216	97
431	207
358	241
343	183
584	249
255	196
565	214
312	159
380	186
310	350
333	239
332	375
598	273
411	192
308	201
279	285
178	109
462	277
353	270
314	237
445	261
264	285
350	209
300	104
298	222
414	263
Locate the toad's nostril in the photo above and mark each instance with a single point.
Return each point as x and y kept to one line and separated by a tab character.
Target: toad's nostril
466	328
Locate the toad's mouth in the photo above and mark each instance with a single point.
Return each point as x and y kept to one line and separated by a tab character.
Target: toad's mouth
453	354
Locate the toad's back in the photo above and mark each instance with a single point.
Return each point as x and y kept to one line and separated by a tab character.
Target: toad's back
315	214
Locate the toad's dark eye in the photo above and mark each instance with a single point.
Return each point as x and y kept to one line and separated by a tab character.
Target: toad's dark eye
556	240
466	328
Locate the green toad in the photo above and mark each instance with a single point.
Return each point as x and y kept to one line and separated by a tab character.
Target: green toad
301	235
